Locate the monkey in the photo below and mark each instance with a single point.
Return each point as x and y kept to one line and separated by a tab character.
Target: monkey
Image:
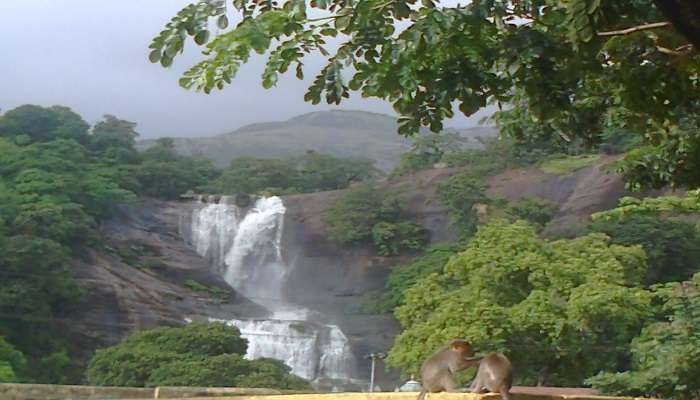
495	374
437	371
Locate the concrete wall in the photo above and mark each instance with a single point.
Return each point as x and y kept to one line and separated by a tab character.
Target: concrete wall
12	391
18	391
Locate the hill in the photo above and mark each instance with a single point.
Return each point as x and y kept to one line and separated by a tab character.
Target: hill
338	133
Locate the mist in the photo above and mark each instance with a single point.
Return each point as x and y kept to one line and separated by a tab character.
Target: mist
92	56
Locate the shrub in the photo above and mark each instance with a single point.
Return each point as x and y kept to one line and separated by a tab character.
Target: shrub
11	362
537	212
569	164
460	193
198	354
394	238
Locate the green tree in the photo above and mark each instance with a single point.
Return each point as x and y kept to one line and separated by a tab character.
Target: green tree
562	310
460	193
427	150
115	139
393	238
666	355
35	288
535	211
403	277
311	172
368	214
317	172
30	123
198	354
251	175
227	370
164	174
672	247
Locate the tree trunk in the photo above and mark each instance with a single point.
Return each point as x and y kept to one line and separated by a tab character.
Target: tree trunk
685	17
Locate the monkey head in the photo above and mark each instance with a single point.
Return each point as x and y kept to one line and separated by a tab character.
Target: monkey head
461	346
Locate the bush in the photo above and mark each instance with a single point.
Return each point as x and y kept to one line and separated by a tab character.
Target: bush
198	354
227	370
460	193
394	238
11	361
537	212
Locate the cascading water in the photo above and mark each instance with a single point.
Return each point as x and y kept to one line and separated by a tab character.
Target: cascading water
246	247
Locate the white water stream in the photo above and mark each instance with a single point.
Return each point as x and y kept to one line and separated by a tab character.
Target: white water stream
246	246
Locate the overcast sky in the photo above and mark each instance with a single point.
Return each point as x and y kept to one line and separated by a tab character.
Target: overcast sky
91	55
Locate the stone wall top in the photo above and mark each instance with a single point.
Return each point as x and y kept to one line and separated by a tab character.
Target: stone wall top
17	391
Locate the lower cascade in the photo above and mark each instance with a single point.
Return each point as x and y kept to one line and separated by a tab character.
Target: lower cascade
245	245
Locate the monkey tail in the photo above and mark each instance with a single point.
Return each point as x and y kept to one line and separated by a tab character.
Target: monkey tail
421	395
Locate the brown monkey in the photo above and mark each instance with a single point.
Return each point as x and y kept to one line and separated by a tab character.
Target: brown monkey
495	374
437	371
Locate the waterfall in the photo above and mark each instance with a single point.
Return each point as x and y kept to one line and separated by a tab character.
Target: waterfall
245	245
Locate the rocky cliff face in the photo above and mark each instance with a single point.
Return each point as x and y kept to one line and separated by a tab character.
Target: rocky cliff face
143	278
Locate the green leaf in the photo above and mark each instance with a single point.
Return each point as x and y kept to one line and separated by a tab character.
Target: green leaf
154	56
201	37
166	61
341	23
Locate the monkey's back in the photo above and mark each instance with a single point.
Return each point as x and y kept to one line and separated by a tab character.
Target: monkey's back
502	363
431	372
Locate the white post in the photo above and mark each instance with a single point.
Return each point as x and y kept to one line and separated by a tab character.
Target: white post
371	379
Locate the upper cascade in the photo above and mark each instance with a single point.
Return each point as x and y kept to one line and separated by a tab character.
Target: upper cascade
245	244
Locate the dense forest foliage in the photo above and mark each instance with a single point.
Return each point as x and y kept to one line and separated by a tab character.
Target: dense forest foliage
311	172
59	178
198	354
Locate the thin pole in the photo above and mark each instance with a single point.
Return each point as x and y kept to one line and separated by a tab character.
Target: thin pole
371	379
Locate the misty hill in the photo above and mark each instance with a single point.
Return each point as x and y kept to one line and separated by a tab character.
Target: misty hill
338	133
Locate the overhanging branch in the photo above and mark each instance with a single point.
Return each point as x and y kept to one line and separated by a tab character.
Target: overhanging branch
638	28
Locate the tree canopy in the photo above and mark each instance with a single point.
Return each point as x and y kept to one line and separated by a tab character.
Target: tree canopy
562	310
311	172
577	70
666	355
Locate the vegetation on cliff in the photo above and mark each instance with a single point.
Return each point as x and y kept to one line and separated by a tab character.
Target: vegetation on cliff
368	214
198	354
